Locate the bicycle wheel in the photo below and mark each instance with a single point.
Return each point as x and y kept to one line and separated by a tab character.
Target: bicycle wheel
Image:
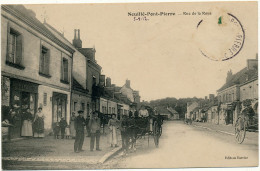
240	130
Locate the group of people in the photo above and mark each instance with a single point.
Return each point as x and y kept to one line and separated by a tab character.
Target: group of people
94	127
32	126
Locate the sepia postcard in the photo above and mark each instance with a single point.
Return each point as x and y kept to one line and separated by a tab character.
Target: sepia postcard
129	85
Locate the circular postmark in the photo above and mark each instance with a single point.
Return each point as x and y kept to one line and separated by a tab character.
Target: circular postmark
220	38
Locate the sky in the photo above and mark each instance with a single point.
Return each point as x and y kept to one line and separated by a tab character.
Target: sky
160	56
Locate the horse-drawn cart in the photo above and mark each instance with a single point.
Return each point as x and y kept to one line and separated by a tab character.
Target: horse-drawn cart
146	126
247	121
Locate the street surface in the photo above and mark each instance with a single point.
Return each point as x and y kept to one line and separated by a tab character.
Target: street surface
188	146
180	146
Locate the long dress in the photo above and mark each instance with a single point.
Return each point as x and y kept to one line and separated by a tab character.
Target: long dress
27	125
72	127
113	124
38	125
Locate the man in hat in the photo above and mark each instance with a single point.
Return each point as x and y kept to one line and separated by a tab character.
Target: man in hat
79	127
94	125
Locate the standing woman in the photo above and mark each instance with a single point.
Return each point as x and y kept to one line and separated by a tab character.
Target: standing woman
113	123
72	125
38	124
27	123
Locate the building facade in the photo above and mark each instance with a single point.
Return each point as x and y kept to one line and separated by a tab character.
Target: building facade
238	87
36	67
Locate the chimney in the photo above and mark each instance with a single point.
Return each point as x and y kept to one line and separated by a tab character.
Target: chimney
211	97
108	82
229	75
77	43
127	83
78	34
206	97
252	64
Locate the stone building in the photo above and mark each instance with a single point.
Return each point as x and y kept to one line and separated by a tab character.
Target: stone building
81	99
35	65
238	87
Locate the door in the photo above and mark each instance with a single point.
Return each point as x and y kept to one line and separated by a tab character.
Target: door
59	107
230	117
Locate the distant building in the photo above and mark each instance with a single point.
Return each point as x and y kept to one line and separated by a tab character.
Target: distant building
190	109
174	114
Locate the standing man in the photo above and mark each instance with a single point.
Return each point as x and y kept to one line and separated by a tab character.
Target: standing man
79	127
94	125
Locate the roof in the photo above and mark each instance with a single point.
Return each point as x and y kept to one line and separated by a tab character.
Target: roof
170	109
78	87
240	77
89	53
29	17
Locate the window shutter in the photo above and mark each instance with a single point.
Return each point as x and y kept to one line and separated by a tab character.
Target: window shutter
8	43
47	62
61	69
41	61
66	70
19	49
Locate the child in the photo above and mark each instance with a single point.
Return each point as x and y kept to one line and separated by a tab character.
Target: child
67	132
63	125
56	130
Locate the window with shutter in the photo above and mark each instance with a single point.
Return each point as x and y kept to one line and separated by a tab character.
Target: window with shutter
65	70
14	48
44	61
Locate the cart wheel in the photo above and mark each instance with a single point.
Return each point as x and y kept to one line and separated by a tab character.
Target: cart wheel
156	134
240	130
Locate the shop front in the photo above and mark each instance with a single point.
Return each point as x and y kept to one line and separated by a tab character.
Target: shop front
23	96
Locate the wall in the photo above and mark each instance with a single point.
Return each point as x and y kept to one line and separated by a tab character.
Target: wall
229	95
249	90
79	98
128	92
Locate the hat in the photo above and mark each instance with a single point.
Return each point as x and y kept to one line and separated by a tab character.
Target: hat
39	107
80	111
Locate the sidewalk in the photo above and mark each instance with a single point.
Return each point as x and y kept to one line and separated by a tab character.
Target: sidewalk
49	149
226	129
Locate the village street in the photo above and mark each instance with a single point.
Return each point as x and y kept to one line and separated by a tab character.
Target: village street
188	146
180	146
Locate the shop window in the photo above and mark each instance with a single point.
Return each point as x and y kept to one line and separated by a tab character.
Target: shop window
14	49
65	71
44	62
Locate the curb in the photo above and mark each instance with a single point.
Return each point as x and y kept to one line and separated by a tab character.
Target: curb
224	132
109	154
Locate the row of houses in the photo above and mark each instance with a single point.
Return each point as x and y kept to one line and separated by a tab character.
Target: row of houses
41	68
226	107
